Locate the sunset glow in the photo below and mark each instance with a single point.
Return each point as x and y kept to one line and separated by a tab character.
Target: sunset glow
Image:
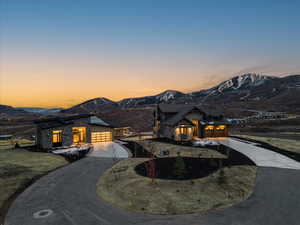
60	54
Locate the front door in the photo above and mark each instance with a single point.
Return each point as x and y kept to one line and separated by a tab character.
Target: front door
79	135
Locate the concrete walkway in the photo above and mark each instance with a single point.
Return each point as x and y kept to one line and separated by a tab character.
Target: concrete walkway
260	156
109	150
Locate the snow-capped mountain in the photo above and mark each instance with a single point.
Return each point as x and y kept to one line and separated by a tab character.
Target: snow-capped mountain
166	97
245	88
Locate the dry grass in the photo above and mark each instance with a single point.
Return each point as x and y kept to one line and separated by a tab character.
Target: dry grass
185	151
19	167
9	144
287	144
122	187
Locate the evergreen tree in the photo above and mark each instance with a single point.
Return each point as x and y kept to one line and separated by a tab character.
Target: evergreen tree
179	167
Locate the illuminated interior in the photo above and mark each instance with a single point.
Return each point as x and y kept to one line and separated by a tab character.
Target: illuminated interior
209	127
57	136
221	127
184	130
195	128
79	135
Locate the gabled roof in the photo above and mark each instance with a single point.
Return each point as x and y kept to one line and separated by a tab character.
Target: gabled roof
180	111
179	116
66	120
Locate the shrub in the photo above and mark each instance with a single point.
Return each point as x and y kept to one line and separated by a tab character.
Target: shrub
179	167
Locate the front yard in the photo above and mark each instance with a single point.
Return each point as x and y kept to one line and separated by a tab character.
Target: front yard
18	169
123	187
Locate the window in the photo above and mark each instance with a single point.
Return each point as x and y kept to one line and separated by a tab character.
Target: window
57	137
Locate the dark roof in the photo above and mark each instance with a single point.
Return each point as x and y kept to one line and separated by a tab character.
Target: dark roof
66	120
63	118
179	116
181	110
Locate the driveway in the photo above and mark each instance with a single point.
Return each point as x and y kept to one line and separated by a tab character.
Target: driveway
69	195
109	150
260	156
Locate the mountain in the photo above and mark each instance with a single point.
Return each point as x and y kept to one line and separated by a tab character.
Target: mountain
9	111
249	91
248	87
164	97
95	105
43	111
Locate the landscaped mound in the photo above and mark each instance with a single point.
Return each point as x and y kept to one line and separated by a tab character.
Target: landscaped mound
123	187
179	168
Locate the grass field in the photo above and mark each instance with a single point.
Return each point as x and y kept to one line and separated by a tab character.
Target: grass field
134	193
19	168
289	145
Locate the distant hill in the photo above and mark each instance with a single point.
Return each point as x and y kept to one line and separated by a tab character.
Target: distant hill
95	105
233	97
9	111
43	111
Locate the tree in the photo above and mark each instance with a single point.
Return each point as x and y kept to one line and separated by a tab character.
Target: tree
179	167
150	165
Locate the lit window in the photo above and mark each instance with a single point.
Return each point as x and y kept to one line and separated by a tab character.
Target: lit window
57	136
210	127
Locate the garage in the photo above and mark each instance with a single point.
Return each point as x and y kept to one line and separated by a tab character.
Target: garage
216	131
102	136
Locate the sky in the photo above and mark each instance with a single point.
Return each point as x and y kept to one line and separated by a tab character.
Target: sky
61	52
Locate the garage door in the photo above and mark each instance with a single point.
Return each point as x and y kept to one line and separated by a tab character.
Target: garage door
101	136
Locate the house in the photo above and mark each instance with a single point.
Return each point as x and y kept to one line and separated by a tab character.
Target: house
185	122
72	130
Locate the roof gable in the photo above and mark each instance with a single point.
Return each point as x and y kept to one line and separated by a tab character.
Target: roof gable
179	116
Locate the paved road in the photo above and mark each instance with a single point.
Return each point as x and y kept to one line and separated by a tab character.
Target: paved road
71	194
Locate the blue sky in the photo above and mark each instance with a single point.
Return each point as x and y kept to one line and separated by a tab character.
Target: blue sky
142	47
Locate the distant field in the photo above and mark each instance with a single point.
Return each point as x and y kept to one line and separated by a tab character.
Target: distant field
19	168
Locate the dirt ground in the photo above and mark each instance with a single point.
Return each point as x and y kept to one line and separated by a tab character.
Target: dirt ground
123	187
287	144
19	168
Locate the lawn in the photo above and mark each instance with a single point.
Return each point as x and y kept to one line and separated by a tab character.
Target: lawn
19	168
122	187
287	144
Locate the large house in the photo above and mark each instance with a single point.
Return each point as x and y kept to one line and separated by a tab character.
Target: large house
72	130
185	122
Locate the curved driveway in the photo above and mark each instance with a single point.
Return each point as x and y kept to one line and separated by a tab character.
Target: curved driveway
70	193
